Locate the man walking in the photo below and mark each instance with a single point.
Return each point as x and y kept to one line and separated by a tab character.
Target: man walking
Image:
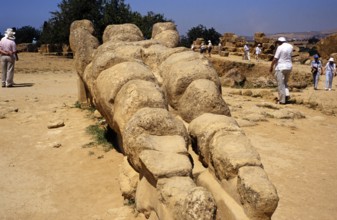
8	57
283	66
246	52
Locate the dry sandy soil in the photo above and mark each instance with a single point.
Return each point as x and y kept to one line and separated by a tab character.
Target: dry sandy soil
39	181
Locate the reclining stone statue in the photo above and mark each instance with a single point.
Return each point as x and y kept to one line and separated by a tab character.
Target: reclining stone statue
162	99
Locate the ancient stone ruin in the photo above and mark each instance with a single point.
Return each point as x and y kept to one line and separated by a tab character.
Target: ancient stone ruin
162	101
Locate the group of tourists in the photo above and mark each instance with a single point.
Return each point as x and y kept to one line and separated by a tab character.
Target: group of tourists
204	47
282	64
317	69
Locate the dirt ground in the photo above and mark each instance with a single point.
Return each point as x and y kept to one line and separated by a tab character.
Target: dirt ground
41	181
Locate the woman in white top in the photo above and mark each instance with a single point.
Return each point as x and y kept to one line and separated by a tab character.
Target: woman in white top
257	51
330	71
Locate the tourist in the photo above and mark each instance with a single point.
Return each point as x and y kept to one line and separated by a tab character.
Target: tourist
209	48
202	48
246	52
330	71
257	52
316	70
283	66
220	47
8	57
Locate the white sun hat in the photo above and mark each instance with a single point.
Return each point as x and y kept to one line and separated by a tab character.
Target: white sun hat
9	33
331	59
281	39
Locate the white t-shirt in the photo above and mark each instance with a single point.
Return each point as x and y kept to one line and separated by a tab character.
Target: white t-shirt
283	54
257	50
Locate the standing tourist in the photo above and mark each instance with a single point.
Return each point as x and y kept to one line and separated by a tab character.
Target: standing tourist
330	71
202	48
246	52
220	47
283	66
8	57
316	70
209	48
258	52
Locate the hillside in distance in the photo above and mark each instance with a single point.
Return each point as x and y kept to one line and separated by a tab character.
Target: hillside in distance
303	35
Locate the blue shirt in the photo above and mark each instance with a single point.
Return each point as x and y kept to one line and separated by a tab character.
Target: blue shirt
317	64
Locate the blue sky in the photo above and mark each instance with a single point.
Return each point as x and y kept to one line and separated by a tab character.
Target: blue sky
243	17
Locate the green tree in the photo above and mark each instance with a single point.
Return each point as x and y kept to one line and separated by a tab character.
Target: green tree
57	28
200	31
100	12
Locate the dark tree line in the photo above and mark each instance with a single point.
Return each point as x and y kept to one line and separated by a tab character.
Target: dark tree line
200	31
100	12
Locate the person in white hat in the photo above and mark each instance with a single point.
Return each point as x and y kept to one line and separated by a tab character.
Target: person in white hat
316	70
258	52
8	58
283	66
330	72
246	55
209	47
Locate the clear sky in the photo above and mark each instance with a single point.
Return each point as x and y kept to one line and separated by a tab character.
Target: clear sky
243	17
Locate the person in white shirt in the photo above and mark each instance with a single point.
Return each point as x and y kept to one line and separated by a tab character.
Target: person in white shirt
330	72
209	48
246	52
283	66
257	52
316	70
8	58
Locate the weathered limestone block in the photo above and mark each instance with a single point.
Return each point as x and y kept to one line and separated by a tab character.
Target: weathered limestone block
183	73
199	204
258	195
206	99
122	32
228	208
89	84
166	33
134	95
173	191
128	180
203	128
157	165
110	54
155	121
82	43
230	152
161	27
169	38
111	80
285	114
172	60
150	121
168	143
154	55
148	200
327	46
186	200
